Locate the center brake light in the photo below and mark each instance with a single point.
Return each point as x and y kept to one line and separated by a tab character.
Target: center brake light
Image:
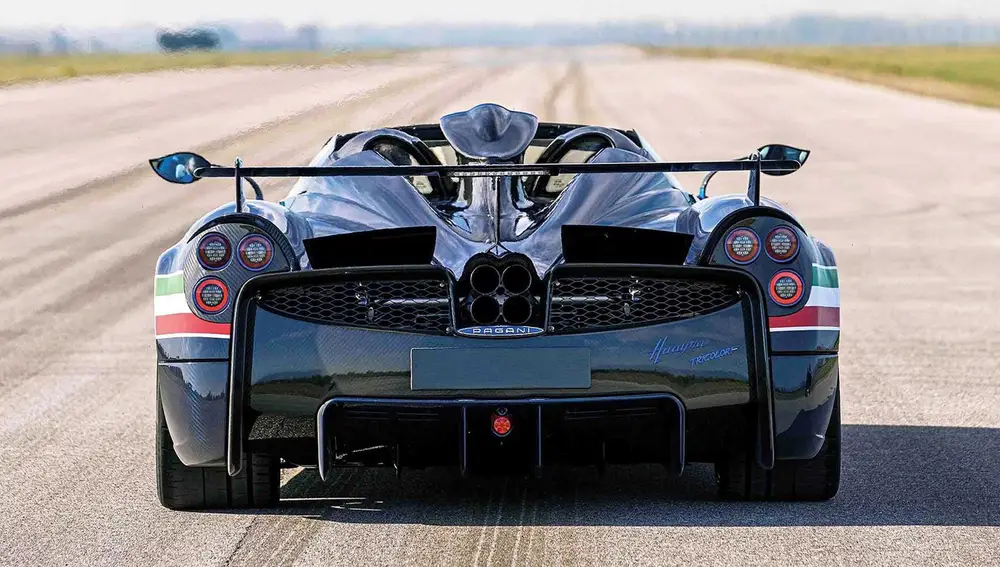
500	423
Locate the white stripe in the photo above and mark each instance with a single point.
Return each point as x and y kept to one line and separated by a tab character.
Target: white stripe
192	335
824	297
172	304
163	276
781	329
822	267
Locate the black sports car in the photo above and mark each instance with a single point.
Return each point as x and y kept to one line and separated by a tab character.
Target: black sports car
495	294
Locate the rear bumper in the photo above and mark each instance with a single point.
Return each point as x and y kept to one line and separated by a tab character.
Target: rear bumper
195	403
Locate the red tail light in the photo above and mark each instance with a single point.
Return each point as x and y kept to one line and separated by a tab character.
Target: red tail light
742	246
255	252
500	423
782	244
211	295
214	251
786	288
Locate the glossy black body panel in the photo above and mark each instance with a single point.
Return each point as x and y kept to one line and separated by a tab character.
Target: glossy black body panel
187	349
820	342
805	388
195	404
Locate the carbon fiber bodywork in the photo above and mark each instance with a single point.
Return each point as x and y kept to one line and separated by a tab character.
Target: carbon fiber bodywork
713	364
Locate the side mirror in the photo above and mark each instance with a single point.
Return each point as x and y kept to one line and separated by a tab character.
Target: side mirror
779	152
179	167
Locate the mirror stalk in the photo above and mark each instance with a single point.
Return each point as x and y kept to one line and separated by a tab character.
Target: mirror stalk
240	199
703	190
257	193
753	190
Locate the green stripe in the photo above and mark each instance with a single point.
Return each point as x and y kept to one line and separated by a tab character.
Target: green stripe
825	277
170	285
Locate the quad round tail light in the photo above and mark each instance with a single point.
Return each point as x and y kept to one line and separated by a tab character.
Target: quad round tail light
211	295
255	252
782	244
214	251
742	246
786	288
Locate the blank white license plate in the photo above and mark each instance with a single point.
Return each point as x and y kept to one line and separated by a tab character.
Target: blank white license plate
499	368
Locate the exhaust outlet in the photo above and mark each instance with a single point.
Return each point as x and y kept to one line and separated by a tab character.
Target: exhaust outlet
484	279
516	310
516	279
485	310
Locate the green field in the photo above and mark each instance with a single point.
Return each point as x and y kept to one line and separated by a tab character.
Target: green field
16	69
962	73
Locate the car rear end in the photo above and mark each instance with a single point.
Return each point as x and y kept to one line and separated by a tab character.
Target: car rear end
728	360
385	366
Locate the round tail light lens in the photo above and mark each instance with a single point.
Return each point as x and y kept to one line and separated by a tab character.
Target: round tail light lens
500	423
255	252
742	246
786	288
214	251
782	244
211	295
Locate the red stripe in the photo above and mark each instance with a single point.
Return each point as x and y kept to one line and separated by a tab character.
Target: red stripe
808	317
188	323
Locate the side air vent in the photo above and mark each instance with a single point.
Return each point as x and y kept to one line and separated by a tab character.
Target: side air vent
383	247
584	244
582	304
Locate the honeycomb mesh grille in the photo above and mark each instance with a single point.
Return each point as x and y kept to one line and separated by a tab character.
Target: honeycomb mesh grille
416	305
594	303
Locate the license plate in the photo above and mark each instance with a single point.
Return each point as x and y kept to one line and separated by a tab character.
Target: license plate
499	368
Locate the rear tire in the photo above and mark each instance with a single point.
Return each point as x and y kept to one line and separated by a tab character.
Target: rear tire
180	487
815	479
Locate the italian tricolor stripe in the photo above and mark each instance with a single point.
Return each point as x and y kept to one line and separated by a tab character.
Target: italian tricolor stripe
821	311
170	284
173	317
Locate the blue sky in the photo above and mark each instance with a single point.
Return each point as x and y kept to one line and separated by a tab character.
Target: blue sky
100	13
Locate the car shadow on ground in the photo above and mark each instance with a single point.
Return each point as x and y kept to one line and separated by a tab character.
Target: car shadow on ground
892	475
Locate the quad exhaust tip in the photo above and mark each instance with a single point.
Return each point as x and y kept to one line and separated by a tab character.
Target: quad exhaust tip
516	279
485	310
485	279
516	310
501	295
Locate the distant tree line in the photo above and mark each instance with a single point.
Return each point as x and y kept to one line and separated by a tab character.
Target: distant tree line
188	40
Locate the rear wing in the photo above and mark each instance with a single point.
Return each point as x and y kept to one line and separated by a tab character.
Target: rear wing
189	167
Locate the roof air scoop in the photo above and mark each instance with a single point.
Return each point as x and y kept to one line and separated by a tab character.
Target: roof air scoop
489	132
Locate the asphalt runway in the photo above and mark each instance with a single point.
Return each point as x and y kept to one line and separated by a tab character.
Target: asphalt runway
905	189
